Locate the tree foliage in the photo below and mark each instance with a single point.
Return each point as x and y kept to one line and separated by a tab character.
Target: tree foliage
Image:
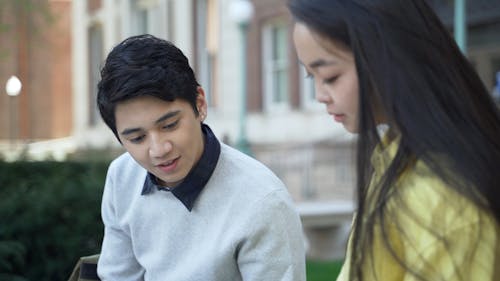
31	14
23	9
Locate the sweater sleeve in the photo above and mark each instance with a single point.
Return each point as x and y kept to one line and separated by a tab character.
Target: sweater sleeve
117	260
274	247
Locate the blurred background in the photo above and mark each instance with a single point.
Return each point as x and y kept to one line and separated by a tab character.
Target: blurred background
55	148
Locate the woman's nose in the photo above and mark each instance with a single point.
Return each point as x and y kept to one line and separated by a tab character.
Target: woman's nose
321	94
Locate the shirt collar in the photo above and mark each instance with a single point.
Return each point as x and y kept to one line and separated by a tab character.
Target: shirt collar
190	188
384	153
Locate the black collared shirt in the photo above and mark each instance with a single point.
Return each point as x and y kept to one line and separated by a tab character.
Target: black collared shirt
190	188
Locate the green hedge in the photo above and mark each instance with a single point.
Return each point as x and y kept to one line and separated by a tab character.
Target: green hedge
49	217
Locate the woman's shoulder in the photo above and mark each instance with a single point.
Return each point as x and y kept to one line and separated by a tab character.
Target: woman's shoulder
422	196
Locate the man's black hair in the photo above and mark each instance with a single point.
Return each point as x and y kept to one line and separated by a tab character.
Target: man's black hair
144	65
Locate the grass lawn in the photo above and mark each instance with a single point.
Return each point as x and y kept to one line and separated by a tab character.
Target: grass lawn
322	270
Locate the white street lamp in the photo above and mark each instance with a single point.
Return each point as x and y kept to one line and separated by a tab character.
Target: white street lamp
241	12
13	88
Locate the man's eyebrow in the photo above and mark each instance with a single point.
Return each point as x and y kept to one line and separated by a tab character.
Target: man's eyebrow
166	116
129	131
320	63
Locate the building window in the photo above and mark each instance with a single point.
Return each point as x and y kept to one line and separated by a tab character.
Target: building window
95	56
495	67
486	62
307	92
140	18
275	66
149	16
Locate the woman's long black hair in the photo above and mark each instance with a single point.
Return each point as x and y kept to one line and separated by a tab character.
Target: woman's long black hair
408	64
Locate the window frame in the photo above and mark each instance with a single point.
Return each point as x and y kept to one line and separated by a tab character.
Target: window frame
270	66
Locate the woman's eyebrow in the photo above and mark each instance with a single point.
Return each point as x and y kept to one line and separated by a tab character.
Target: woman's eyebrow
320	63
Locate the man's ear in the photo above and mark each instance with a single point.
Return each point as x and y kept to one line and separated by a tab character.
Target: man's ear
201	103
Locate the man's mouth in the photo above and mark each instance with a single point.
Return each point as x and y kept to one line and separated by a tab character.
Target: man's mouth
168	166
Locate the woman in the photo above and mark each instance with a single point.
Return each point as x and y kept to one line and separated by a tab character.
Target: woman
428	138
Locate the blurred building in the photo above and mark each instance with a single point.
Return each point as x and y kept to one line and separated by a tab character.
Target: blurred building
59	61
483	34
36	47
285	127
57	47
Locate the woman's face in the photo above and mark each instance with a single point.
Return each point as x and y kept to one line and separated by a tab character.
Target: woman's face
334	74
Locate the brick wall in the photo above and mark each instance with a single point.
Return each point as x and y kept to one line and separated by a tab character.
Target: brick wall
38	51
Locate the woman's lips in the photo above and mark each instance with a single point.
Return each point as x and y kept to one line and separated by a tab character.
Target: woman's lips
339	117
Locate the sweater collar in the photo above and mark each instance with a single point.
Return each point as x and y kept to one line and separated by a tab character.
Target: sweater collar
190	188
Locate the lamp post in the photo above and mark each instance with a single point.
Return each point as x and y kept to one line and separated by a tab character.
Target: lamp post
241	12
13	88
460	24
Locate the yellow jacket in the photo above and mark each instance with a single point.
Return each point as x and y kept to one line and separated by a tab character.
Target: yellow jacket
441	235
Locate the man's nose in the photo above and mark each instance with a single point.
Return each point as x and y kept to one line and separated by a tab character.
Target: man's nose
159	146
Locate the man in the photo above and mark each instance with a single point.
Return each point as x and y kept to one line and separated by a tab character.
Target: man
180	205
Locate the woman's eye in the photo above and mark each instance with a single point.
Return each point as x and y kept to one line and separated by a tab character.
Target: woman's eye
330	80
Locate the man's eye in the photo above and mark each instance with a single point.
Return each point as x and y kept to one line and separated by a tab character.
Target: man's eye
170	125
137	139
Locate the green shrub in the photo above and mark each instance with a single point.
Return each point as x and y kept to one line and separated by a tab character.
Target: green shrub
49	217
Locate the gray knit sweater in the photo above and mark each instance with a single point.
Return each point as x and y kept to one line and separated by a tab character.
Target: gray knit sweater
243	226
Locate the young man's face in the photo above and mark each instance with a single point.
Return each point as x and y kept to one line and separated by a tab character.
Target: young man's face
163	137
